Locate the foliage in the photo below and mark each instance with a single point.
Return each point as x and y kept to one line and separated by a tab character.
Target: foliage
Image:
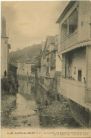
26	53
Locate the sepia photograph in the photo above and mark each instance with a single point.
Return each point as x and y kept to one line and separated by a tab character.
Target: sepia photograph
45	65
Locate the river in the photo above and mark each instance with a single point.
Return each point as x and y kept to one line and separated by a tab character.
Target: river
25	112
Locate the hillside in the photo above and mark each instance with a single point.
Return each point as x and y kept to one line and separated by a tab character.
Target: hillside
26	53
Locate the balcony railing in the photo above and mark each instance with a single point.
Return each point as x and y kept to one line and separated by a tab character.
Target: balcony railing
69	41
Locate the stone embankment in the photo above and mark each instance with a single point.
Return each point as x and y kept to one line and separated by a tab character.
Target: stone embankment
57	114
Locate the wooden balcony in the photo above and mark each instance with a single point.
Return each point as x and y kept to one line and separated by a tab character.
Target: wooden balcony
69	41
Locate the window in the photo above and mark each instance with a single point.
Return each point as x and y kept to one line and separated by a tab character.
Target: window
79	75
47	59
70	24
73	21
5	73
52	67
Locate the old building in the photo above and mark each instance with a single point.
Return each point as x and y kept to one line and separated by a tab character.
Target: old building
49	67
24	68
75	48
5	46
24	76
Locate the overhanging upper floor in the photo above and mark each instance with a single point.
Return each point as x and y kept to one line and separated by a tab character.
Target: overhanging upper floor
75	25
68	47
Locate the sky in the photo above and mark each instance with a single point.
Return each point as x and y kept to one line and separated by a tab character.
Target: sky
30	22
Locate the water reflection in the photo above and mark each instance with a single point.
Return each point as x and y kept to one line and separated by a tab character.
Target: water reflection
25	113
23	106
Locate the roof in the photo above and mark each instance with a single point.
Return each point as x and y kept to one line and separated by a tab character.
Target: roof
68	6
50	40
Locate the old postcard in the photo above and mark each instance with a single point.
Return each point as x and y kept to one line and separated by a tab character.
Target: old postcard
45	69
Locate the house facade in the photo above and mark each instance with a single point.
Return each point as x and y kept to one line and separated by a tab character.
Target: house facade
24	76
50	66
75	48
24	68
5	46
